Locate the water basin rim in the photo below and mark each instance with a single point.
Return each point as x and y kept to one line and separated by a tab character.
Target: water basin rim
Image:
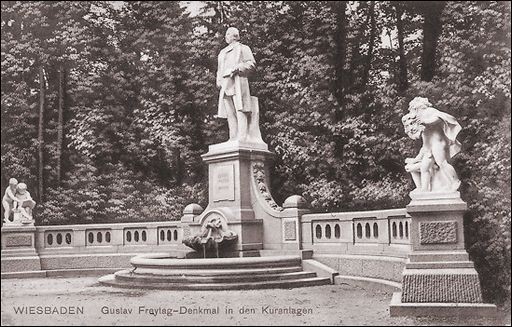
161	259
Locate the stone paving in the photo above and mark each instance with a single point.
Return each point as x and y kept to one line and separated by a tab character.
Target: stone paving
82	301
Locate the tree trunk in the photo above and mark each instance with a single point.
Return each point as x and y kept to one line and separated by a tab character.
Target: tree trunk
371	44
179	167
60	122
220	12
402	61
339	7
40	136
432	28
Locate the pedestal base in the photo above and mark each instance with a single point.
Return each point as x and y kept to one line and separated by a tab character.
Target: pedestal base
438	278
398	308
445	285
230	197
18	249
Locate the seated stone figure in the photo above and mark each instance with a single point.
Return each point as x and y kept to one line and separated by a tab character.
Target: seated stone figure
430	169
10	201
23	213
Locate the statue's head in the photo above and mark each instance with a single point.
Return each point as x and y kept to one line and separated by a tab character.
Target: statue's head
232	35
13	182
216	222
419	103
412	126
22	188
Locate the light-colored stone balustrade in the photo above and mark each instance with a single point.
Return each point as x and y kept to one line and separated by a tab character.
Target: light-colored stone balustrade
169	235
361	232
116	237
92	246
362	243
380	234
61	238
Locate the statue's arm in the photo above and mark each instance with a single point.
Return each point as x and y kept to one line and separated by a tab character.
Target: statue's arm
219	73
11	195
417	158
429	116
247	62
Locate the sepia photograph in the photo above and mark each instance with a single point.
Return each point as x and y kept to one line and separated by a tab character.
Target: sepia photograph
256	163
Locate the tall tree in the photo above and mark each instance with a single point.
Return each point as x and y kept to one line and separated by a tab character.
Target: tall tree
60	123
432	28
40	135
340	54
371	44
402	60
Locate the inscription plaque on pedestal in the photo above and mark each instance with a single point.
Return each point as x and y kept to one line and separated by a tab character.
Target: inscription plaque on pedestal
290	230
224	183
19	240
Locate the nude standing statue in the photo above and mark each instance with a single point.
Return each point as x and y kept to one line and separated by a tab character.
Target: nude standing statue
430	169
235	63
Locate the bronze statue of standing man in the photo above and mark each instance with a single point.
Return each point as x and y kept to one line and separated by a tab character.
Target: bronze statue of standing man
235	63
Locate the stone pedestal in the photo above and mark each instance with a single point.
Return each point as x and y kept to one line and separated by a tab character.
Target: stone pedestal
18	248
439	278
230	197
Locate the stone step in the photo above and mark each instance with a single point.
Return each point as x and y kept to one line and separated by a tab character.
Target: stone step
127	276
439	265
110	280
216	272
437	256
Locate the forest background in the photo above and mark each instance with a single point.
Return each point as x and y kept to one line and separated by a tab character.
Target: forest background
107	106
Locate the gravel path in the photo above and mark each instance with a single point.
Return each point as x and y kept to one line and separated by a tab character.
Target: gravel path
322	305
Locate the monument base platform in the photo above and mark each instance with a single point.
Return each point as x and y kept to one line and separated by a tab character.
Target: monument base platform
439	279
457	310
18	248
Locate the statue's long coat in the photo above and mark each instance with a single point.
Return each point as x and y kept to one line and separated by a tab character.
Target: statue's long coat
235	56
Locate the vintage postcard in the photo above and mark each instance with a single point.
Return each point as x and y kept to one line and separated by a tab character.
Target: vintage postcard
187	163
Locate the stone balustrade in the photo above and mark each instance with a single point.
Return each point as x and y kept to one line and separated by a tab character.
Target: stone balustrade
382	234
373	244
79	247
170	235
399	230
109	238
60	238
362	232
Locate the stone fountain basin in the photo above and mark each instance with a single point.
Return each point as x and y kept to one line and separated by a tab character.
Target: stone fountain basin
175	272
168	261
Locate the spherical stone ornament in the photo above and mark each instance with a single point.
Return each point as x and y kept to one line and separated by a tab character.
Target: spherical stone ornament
295	201
193	209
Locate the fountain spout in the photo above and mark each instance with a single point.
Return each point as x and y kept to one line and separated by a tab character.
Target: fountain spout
213	235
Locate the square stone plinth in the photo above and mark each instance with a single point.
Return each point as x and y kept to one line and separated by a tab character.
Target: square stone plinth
230	177
441	285
397	308
18	249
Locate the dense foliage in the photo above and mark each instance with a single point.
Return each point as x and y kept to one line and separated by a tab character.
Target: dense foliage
129	97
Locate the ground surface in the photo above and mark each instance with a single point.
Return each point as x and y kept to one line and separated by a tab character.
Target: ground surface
323	305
